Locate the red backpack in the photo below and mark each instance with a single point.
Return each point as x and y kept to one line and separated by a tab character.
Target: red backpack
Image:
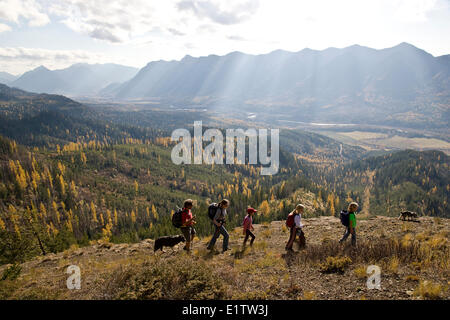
290	220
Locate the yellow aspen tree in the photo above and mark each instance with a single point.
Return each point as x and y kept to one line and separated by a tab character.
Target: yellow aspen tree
12	166
133	216
12	209
116	220
102	221
108	215
136	186
154	212
147	210
61	185
106	232
332	208
315	204
61	168
21	176
50	179
42	209
54	230
36	176
83	157
14	219
16	228
69	225
57	214
73	189
264	208
93	212
2	225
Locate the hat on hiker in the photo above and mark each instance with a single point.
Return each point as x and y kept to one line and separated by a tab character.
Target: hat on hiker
251	210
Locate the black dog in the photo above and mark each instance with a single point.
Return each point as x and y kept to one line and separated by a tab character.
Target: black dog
168	241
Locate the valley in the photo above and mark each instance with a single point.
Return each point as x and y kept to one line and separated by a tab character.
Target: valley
87	175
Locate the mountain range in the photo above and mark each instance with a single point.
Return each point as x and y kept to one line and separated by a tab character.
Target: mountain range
397	85
7	78
80	79
400	86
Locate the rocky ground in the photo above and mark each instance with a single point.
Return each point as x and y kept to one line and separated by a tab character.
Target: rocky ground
413	258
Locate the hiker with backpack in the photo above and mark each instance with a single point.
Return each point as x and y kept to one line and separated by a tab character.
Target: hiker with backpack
248	226
293	222
348	219
217	213
184	220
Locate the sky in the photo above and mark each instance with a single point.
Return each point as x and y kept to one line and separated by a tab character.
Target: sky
59	33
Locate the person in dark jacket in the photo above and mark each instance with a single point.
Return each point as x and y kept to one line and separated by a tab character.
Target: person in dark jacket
219	221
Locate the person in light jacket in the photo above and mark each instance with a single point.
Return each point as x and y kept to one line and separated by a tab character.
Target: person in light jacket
296	228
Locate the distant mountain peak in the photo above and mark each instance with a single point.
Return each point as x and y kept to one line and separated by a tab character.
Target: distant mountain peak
187	57
41	67
406	46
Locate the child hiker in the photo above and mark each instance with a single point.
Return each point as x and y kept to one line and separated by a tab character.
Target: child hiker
294	223
349	222
248	226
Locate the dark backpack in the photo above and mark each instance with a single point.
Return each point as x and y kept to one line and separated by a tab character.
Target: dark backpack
345	219
212	209
177	219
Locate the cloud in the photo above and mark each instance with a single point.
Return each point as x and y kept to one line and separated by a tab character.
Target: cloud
28	10
4	27
104	34
231	13
121	21
176	32
114	21
414	10
236	38
19	59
